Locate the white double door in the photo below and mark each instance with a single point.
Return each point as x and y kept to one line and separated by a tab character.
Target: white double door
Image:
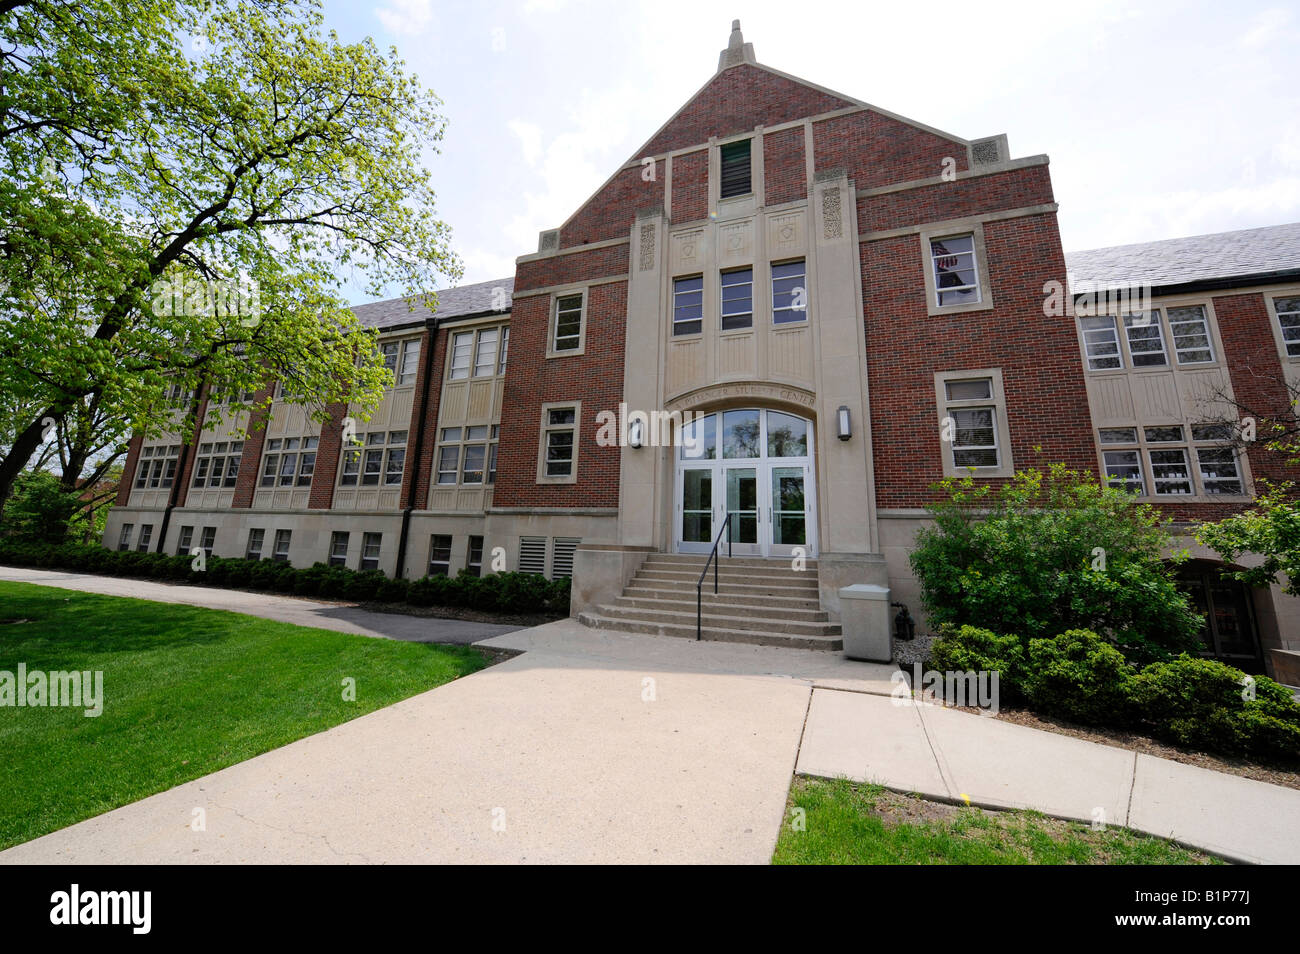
769	502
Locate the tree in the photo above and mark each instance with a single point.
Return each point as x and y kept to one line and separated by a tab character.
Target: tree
1271	529
1052	551
175	218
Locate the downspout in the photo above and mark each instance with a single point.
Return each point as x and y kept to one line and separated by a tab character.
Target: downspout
403	537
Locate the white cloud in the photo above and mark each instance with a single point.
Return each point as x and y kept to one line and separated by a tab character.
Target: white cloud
403	18
1265	28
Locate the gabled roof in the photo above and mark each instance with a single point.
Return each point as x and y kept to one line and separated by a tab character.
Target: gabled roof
463	301
1224	259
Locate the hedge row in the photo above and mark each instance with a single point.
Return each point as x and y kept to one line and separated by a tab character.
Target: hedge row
1201	703
498	592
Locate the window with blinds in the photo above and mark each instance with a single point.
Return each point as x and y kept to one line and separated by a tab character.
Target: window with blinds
735	169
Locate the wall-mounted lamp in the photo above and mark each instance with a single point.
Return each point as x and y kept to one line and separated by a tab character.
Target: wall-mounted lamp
846	427
634	432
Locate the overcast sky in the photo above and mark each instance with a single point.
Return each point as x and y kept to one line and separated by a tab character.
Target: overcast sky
1161	119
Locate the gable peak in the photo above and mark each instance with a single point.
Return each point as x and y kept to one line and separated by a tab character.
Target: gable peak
737	51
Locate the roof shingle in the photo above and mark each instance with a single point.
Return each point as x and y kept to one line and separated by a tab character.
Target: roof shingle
460	302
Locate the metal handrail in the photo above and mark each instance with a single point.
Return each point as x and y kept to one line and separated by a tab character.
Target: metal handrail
699	585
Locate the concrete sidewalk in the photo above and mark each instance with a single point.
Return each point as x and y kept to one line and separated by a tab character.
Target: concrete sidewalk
340	617
961	757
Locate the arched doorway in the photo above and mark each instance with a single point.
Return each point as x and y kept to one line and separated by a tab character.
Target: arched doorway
756	465
1230	634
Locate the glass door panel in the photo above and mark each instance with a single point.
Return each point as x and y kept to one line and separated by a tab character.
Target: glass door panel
697	508
742	506
789	509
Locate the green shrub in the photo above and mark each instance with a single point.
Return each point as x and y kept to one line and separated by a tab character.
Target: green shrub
971	649
1204	704
1020	558
1078	676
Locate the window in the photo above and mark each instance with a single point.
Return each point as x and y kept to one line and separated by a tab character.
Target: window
485	360
474	557
157	467
281	553
462	346
338	548
475	447
737	299
410	363
371	544
974	431
207	540
1288	319
492	454
956	277
289	462
1217	470
124	539
146	534
218	464
381	459
789	293
256	537
973	423
1146	345
568	323
559	433
1101	343
734	167
186	540
1190	331
440	554
505	348
688	305
389	349
532	554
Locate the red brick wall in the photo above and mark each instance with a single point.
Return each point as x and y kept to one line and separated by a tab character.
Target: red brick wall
609	214
246	482
328	449
595	378
877	150
1014	189
785	176
128	470
737	100
192	451
690	186
1047	404
575	266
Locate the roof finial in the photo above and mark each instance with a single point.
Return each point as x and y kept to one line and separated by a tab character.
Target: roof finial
737	51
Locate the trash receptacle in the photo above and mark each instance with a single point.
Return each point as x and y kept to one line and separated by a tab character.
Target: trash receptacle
864	617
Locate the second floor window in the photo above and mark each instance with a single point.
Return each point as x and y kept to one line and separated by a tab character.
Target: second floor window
789	293
956	277
467	455
218	464
1288	317
381	460
289	462
737	299
157	467
688	305
558	441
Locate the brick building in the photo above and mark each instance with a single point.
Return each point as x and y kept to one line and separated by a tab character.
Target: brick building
838	306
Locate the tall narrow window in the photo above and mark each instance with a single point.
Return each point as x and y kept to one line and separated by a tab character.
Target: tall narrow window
440	554
371	544
281	553
389	350
486	359
735	169
339	548
124	538
187	538
207	540
146	534
1101	343
410	362
737	299
568	323
973	427
505	349
956	276
1146	345
1288	317
688	305
789	293
256	537
558	442
474	556
462	345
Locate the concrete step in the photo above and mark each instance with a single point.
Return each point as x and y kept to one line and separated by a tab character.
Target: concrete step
831	642
677	584
775	611
692	559
741	622
731	575
758	602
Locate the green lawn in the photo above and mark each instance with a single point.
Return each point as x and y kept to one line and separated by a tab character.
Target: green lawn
850	823
187	691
